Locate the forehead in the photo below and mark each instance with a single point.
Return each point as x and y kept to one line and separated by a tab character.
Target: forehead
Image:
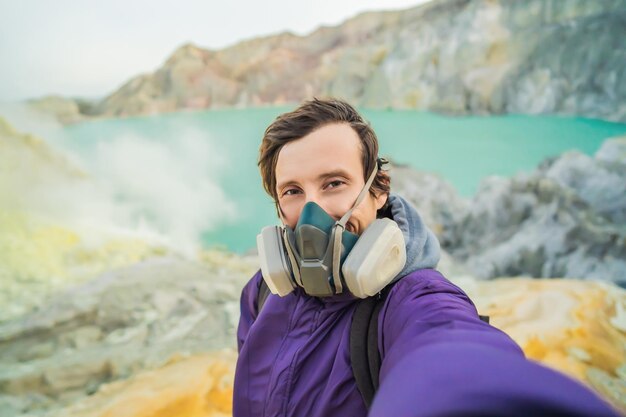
328	148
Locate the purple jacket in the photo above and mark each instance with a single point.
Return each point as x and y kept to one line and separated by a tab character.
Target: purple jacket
438	359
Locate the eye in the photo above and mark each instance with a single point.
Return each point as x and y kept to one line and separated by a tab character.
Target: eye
291	191
335	184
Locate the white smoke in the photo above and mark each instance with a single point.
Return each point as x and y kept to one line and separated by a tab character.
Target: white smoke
135	185
171	186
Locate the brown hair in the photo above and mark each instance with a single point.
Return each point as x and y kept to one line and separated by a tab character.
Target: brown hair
312	115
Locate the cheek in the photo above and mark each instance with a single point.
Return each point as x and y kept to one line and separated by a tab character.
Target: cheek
291	222
290	213
336	208
367	214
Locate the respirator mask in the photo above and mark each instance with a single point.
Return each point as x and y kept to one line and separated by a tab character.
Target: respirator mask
324	259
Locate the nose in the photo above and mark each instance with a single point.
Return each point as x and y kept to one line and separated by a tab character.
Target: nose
314	197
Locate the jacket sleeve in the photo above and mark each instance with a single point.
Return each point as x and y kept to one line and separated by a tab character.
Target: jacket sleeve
440	359
248	308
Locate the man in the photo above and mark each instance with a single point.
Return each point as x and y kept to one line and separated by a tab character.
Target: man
320	164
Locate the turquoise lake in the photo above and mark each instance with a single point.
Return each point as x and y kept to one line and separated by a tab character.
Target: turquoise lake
461	149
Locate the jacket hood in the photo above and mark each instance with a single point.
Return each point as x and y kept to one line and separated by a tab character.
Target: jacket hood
422	247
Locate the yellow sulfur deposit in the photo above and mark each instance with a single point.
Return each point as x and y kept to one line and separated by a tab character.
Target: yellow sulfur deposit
577	327
196	386
38	257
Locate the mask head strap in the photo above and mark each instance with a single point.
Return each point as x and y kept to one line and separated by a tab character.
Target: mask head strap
340	226
366	189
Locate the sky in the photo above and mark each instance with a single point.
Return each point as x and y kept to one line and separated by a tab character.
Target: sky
88	48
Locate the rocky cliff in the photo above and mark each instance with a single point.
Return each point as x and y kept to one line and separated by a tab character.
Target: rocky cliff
458	56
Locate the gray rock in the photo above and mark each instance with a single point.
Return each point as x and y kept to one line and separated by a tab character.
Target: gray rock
596	181
435	199
566	219
556	72
113	326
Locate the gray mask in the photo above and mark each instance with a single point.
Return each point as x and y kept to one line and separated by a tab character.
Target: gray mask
311	250
319	245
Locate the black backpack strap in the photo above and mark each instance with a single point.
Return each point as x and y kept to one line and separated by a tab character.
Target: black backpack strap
364	354
359	355
264	292
373	354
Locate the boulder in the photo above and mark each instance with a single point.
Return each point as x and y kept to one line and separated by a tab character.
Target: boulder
565	219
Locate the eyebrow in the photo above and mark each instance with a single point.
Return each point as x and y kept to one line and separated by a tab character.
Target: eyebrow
334	173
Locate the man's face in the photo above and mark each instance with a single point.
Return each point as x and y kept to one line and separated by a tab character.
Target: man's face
325	167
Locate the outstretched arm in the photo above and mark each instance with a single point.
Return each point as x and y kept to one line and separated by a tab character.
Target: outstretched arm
439	359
